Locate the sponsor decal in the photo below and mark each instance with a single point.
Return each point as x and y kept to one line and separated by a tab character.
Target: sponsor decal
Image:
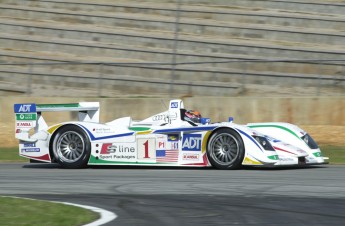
166	156
118	157
161	145
147	148
174	105
30	150
190	157
173	140
24	124
109	148
191	142
205	121
24	108
174	145
285	159
118	152
26	117
102	130
93	138
160	118
172	137
29	145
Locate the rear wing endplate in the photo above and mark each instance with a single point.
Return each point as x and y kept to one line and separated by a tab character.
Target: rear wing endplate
29	115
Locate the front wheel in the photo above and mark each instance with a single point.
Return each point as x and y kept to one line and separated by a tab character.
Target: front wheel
225	149
71	147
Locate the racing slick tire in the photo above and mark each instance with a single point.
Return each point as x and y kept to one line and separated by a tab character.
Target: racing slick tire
225	149
71	147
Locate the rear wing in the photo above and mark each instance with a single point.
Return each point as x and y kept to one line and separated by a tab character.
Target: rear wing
29	115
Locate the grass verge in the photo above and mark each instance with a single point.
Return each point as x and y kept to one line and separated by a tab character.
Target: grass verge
27	212
336	154
11	155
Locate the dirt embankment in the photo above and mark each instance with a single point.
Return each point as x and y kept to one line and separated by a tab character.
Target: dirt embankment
7	135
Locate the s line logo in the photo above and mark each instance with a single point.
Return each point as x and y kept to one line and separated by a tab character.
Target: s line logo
191	142
24	108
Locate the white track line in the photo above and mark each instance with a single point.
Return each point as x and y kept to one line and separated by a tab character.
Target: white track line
106	216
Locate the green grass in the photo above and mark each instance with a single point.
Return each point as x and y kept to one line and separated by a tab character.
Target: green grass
336	154
25	212
11	155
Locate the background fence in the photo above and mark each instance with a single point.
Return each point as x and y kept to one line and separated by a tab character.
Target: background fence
164	78
172	47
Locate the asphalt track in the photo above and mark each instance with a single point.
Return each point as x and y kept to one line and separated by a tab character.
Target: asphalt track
175	196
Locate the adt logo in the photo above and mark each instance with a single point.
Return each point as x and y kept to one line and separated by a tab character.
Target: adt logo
174	105
24	108
191	142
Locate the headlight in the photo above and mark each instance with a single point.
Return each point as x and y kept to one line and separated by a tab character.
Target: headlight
264	143
310	141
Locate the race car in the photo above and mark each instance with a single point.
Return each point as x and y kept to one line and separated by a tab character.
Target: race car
176	137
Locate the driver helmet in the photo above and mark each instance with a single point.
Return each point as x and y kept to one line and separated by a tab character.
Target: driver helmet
192	116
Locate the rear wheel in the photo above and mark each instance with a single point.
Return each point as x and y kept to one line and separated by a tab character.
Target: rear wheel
225	149
71	147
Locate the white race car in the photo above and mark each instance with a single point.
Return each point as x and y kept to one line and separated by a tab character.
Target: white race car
176	137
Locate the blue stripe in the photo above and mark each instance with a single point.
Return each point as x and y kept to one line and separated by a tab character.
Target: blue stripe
251	138
105	137
185	129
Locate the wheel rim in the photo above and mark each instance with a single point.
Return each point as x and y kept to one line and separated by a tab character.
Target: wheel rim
70	146
224	149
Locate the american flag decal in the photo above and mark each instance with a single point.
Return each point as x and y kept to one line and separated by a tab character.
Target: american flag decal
166	156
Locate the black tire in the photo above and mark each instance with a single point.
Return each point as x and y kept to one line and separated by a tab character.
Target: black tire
225	149
71	147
